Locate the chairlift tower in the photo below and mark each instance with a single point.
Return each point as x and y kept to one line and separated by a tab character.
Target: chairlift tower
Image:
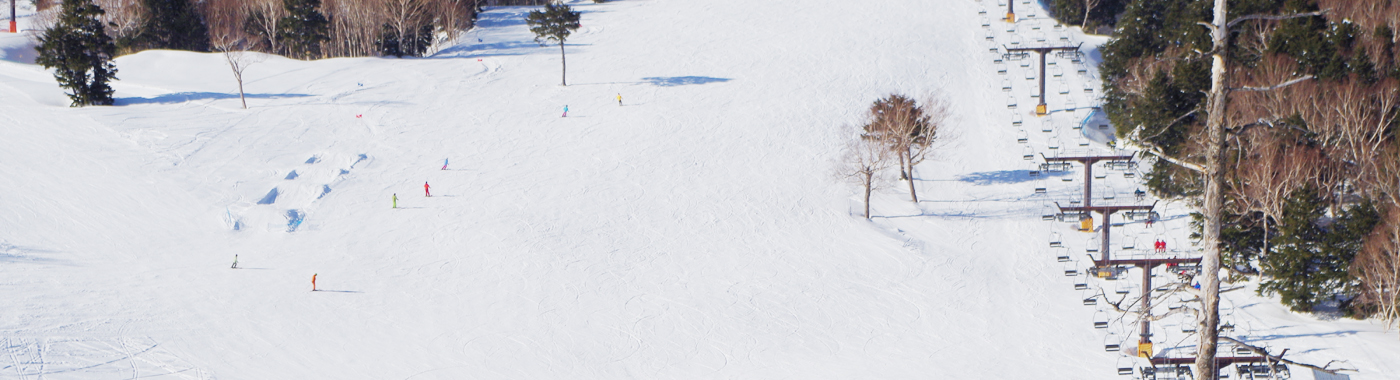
14	28
1107	263
1040	109
1010	11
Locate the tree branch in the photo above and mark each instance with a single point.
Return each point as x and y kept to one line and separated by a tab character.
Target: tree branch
1232	23
1277	86
1261	352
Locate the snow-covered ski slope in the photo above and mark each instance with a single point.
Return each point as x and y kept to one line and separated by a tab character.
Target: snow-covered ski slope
694	233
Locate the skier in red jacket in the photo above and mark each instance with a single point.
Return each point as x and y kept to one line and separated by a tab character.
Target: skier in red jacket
426	193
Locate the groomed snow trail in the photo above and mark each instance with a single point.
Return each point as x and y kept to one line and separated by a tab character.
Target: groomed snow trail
694	232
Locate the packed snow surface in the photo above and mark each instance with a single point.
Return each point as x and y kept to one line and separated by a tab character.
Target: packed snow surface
696	231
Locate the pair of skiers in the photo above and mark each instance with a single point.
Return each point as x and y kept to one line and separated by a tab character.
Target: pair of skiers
1159	246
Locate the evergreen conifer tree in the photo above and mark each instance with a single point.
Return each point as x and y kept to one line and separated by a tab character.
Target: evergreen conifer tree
1310	261
554	24
172	24
80	52
415	43
304	28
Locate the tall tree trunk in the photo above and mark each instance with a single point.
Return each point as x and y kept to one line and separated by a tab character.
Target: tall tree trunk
1214	200
240	90
564	73
869	178
904	156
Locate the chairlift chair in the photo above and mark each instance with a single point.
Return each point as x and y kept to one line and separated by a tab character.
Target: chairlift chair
1112	343
1028	153
1005	84
1062	255
1071	269
1001	69
1100	320
1015	119
1091	300
1021	137
1011	102
1123	287
1125	365
1054	144
1278	371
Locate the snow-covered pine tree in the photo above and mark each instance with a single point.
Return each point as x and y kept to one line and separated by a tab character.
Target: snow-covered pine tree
304	28
80	52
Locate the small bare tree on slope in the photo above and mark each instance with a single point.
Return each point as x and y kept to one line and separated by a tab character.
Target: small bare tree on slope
863	162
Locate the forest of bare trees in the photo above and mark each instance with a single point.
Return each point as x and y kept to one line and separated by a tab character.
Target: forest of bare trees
356	27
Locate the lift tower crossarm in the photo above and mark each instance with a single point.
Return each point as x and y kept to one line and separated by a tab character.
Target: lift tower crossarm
1088	162
1040	109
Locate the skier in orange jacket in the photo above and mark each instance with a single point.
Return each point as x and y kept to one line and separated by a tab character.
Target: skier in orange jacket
313	282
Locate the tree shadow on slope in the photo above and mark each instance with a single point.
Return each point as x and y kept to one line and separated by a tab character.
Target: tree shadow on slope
498	49
182	97
682	81
1006	177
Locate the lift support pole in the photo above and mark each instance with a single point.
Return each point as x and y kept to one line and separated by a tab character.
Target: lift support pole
1041	109
14	28
1011	11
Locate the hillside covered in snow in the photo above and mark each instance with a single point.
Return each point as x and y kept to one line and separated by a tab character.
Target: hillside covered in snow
696	231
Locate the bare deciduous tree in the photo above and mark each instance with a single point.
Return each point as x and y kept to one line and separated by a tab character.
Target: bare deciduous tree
1378	268
863	162
1088	7
227	36
124	18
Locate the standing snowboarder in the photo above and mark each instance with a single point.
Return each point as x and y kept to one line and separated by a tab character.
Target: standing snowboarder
396	200
444	164
313	282
426	193
235	261
619	99
566	111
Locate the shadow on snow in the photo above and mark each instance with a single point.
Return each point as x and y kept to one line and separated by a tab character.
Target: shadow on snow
1006	176
181	97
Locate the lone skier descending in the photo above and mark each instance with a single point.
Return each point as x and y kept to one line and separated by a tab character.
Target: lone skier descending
235	261
396	204
426	193
313	282
566	111
619	99
444	164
